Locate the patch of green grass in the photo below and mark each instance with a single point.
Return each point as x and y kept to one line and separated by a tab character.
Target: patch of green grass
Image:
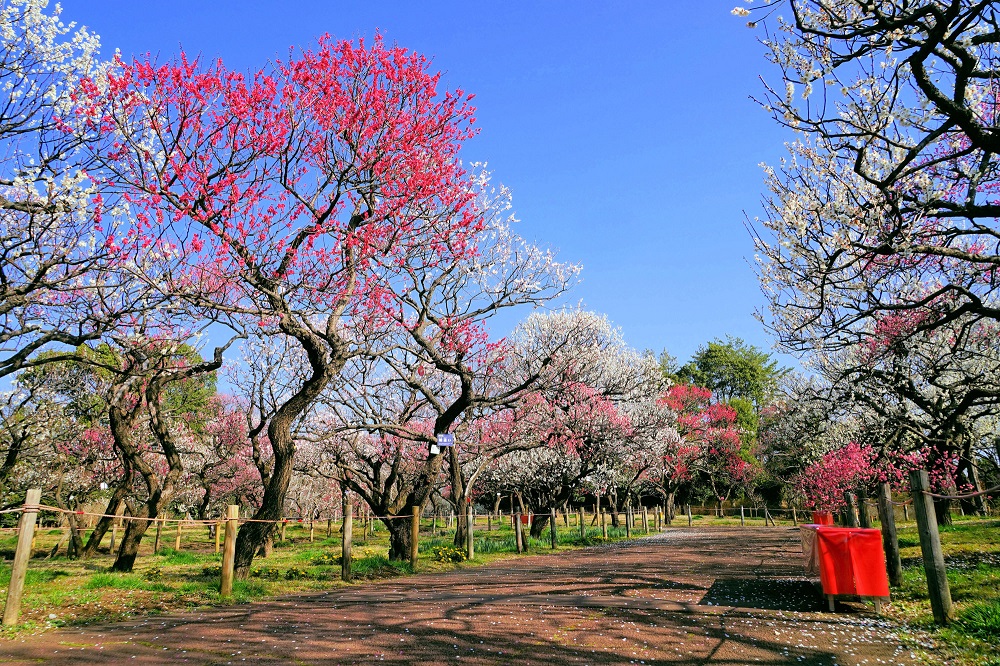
248	590
171	556
120	581
981	620
82	591
378	566
33	576
490	545
972	558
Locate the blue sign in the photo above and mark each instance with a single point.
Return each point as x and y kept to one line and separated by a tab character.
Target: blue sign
446	439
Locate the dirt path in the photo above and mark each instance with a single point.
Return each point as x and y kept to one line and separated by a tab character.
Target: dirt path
719	596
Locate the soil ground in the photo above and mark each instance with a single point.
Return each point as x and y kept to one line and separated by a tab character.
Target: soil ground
686	596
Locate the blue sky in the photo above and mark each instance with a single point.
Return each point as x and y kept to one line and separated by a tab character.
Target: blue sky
624	129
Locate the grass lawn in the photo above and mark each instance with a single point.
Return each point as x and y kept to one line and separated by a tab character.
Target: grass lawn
972	556
61	591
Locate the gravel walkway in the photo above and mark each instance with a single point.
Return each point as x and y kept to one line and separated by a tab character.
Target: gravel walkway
687	596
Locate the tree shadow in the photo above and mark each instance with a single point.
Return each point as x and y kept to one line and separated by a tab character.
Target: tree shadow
765	593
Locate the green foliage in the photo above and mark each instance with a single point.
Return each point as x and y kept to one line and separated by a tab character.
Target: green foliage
43	576
449	554
734	369
327	558
981	620
490	545
267	573
296	573
120	581
171	556
247	590
153	574
379	566
669	366
212	571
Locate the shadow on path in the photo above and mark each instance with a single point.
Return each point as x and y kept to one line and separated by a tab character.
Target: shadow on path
684	597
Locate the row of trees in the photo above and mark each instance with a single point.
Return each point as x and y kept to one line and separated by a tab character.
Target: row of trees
878	250
309	231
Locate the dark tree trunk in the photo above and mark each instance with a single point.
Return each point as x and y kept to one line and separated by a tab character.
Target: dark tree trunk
129	548
160	488
268	545
399	538
75	546
460	499
252	535
118	496
538	523
614	510
978	504
942	509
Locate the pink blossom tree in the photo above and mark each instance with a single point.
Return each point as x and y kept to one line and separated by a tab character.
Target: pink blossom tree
710	431
286	195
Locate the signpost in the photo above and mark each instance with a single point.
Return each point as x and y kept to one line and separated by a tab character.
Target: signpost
446	439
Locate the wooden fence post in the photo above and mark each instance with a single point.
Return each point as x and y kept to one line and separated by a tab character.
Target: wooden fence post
159	530
229	550
689	514
743	521
114	535
414	537
470	544
553	537
930	548
604	523
795	517
864	518
329	527
346	539
218	535
312	531
517	532
489	522
851	511
645	521
177	538
583	524
890	544
22	553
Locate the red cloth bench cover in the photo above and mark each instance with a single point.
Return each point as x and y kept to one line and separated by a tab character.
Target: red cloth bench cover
849	560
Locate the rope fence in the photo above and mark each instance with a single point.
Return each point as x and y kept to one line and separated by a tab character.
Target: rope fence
655	520
989	491
695	510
